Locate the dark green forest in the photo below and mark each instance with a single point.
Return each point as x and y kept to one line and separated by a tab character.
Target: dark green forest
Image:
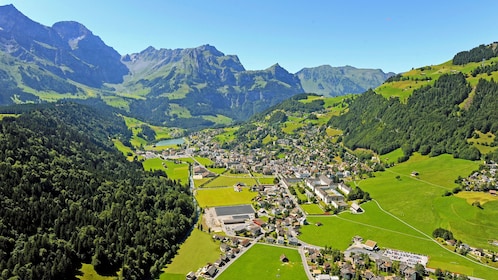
67	197
477	54
431	122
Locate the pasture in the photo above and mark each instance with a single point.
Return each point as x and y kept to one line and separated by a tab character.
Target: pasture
194	253
263	262
175	171
223	197
388	232
230	181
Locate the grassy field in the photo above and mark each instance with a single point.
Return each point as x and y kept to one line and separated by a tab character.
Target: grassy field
312	209
403	89
427	209
229	181
337	231
392	157
203	160
223	197
263	262
7	115
196	252
483	142
175	171
482	197
124	149
89	273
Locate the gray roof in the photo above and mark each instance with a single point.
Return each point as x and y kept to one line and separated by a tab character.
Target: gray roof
234	210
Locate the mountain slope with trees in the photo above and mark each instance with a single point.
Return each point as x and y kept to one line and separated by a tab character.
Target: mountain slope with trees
67	197
439	116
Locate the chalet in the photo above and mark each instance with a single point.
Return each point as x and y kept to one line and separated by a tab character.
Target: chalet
245	242
355	208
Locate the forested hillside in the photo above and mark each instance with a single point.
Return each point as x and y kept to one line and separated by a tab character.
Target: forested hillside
431	121
68	197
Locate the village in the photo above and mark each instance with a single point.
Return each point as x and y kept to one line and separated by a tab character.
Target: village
275	216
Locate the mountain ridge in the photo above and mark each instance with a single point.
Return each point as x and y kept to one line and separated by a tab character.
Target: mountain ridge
161	86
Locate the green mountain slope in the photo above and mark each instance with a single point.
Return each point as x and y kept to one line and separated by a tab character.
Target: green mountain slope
432	110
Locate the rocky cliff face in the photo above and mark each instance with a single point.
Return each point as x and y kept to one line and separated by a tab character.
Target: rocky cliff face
67	50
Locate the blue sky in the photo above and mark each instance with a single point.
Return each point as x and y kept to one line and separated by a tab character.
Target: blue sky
390	35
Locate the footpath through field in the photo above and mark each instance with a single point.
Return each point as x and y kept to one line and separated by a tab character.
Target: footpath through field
432	239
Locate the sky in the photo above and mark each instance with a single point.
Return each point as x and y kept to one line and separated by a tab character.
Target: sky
394	36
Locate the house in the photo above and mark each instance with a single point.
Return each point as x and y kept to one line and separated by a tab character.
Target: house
280	240
224	248
219	262
210	270
370	245
283	258
347	271
190	276
293	241
245	242
355	208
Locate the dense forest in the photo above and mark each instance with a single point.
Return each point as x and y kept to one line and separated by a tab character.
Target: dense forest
431	122
477	54
67	197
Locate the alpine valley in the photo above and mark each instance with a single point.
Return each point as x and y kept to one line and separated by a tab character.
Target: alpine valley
182	164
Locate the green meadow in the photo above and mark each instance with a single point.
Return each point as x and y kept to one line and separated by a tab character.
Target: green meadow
175	171
223	197
263	262
194	253
229	181
388	232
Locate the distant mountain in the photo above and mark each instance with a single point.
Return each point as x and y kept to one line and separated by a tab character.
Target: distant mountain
203	81
189	88
336	81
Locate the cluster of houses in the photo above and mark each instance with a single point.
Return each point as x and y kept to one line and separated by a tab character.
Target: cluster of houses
485	179
307	155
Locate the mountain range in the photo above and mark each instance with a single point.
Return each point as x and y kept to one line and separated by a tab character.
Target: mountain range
192	87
